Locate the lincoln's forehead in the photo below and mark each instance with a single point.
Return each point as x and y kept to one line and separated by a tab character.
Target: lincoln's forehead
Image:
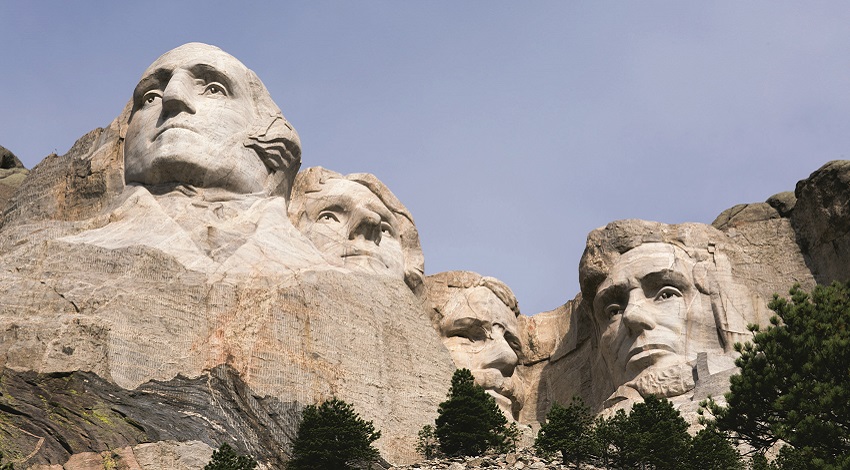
647	259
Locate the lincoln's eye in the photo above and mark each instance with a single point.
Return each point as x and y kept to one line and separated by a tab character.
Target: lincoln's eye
614	309
668	292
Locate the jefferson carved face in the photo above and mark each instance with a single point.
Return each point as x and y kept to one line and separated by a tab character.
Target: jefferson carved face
651	317
192	111
481	333
350	225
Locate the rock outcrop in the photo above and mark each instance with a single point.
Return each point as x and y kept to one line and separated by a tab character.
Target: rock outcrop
173	283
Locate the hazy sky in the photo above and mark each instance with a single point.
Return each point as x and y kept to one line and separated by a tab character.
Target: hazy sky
509	129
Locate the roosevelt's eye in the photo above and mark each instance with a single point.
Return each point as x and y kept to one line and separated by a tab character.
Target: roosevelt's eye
151	96
668	292
215	88
614	309
328	217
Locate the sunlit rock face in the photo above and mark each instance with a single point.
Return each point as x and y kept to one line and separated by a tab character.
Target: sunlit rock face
476	317
161	247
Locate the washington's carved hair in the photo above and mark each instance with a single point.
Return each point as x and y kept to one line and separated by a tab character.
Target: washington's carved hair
312	179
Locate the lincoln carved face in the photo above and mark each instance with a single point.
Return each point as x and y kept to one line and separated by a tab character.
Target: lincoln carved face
652	319
192	113
352	227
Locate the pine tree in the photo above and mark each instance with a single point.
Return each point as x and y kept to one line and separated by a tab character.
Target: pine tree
225	458
794	384
469	422
654	435
332	436
712	449
568	430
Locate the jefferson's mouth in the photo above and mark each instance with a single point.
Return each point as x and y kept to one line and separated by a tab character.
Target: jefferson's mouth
360	254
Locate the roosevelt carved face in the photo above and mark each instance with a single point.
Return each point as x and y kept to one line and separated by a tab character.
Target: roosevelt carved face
481	334
192	111
351	226
653	320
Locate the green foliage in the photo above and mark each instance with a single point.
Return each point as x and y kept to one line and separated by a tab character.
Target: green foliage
332	436
427	444
654	435
712	449
225	458
7	465
469	422
569	431
794	384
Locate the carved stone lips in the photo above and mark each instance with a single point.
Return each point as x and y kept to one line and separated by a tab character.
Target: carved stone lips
651	347
176	125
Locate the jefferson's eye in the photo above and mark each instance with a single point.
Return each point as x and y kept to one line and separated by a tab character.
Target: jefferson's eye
151	96
328	217
613	309
667	292
215	88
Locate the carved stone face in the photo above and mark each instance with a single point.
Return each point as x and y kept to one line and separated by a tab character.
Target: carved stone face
481	333
652	317
348	223
191	114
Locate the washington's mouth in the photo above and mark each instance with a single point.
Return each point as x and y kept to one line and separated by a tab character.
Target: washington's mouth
648	350
169	127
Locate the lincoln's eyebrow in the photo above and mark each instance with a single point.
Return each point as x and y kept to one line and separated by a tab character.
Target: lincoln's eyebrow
664	277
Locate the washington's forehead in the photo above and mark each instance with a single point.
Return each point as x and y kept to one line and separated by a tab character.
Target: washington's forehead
193	54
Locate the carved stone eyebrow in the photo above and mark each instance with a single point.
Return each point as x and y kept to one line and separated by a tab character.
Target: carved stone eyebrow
666	277
153	80
208	74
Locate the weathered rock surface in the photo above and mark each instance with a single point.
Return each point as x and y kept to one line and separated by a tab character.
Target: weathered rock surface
12	174
51	418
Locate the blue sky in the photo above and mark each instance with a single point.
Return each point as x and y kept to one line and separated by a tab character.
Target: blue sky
509	129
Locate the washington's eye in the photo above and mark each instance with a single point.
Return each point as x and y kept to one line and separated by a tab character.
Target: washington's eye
667	292
387	229
151	96
328	217
613	309
215	88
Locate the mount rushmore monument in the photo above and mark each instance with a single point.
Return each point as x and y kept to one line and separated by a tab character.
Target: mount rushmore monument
176	281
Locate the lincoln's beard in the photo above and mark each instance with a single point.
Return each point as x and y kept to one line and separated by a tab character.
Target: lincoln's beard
664	382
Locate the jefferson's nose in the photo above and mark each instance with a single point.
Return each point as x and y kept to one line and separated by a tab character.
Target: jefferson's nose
638	315
366	224
179	95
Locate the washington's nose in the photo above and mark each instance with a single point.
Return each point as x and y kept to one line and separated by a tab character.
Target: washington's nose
178	95
638	315
366	224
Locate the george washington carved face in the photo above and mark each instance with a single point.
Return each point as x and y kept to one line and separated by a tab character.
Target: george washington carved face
193	113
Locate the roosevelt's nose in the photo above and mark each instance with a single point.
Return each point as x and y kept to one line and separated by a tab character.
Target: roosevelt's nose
499	354
638	315
178	96
366	224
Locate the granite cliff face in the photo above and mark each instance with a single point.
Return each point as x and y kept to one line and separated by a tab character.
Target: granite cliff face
174	282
